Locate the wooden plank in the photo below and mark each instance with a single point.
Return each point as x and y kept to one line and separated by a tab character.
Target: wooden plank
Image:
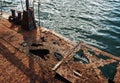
69	55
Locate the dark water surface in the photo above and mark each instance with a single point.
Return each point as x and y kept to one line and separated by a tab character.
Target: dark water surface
96	22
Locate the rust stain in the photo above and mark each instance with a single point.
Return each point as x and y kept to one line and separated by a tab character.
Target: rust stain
19	64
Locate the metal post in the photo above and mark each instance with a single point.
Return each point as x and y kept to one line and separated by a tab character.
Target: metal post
22	5
28	21
27	4
33	3
39	19
1	8
19	15
13	13
39	13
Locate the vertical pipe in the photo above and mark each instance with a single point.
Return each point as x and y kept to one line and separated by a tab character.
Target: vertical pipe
27	4
22	5
19	15
1	8
39	19
39	13
13	13
33	3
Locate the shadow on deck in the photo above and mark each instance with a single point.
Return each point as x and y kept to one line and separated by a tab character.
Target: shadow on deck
29	72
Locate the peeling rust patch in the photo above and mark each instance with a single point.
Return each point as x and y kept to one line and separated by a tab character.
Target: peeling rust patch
56	58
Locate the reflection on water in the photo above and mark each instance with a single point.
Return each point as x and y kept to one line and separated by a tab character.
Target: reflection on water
96	22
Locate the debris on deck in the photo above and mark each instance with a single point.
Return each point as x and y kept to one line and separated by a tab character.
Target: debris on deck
41	56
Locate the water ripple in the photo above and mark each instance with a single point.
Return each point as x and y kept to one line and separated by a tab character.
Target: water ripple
96	22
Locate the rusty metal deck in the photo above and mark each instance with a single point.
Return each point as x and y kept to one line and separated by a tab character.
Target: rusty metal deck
20	62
